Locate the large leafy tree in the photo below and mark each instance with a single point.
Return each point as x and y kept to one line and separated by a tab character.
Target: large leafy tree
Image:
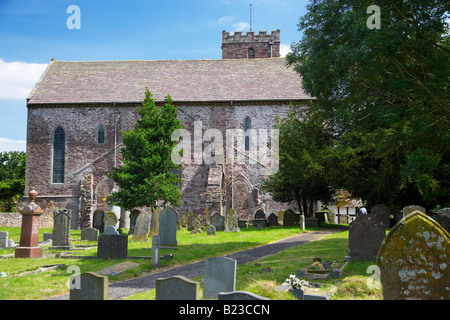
387	91
305	141
147	171
12	178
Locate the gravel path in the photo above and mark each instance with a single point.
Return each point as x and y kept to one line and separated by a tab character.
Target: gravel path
121	290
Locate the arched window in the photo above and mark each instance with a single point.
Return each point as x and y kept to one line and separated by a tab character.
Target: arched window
251	53
101	134
246	128
59	146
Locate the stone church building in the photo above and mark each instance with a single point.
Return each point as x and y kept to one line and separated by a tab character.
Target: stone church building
78	110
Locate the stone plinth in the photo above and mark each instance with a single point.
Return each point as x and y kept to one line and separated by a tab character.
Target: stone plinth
29	235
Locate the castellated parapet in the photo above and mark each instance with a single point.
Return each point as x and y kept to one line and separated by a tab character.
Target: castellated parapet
250	45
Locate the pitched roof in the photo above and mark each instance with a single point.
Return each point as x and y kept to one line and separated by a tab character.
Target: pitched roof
184	80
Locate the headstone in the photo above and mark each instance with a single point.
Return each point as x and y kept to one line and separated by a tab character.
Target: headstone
156	247
410	209
218	221
322	216
272	220
111	231
443	218
4	239
240	295
189	219
302	222
168	227
211	230
112	247
154	222
281	216
98	220
176	288
414	260
141	228
220	276
86	201
312	222
260	223
133	217
61	229
242	223
366	233
110	219
47	236
381	212
289	218
92	286
231	221
196	225
90	234
259	215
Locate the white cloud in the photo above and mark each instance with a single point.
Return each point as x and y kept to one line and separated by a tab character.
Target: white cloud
7	145
17	79
241	26
284	49
225	20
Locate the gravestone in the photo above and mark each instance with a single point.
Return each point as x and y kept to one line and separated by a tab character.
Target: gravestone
189	219
111	230
61	229
176	288
231	221
382	213
211	230
218	221
141	228
414	260
312	222
259	219
365	235
110	219
443	218
92	286
289	218
47	236
4	239
259	214
240	295
220	276
156	247
302	222
154	222
322	216
281	216
98	220
272	220
112	246
90	234
133	217
409	209
168	227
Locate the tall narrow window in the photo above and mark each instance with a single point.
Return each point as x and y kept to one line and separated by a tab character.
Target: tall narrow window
246	133
59	146
101	134
251	53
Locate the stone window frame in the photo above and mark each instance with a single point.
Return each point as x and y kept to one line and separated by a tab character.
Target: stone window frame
251	53
246	136
97	134
52	155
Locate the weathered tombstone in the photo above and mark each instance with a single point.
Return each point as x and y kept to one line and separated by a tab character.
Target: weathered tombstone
259	214
312	222
154	222
98	220
168	227
111	230
302	222
443	218
189	218
92	286
410	209
4	239
211	230
381	212
220	276
231	221
61	229
414	260
176	288
90	234
141	228
133	217
197	225
112	246
240	295
289	218
281	216
259	219
218	221
272	220
156	247
365	235
86	201
110	219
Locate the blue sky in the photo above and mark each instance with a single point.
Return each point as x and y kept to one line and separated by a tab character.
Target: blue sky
32	32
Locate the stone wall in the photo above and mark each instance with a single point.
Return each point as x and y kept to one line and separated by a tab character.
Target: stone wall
237	46
14	219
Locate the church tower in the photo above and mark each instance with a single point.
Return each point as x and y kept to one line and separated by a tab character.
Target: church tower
251	45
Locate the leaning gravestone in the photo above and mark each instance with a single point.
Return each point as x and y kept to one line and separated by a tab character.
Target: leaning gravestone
381	212
218	221
365	235
141	228
168	227
98	220
220	276
91	286
409	209
61	229
176	288
89	234
414	260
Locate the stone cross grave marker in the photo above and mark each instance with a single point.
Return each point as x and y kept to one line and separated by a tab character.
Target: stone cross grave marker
220	276
414	260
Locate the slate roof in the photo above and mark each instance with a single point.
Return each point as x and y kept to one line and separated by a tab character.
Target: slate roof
66	82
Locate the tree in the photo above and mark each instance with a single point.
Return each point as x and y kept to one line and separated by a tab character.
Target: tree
387	92
146	174
305	141
12	178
